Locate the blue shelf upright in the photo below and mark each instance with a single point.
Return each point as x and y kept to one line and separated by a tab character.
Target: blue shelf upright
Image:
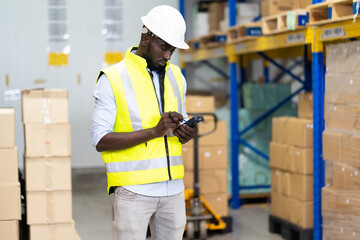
318	86
234	105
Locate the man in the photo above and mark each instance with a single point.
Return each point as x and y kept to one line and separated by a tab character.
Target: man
139	108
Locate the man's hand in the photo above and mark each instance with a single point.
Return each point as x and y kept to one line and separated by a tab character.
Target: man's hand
169	120
185	133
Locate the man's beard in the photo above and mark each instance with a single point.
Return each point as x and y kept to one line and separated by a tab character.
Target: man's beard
150	63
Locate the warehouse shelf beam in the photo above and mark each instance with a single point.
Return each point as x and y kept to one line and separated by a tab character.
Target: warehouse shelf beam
254	149
280	67
278	77
266	71
216	69
268	113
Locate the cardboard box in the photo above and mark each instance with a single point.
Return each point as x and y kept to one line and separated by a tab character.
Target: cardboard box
286	187
344	202
216	14
305	3
58	231
341	148
45	106
305	105
299	132
9	172
302	160
211	181
342	88
278	129
7	123
272	7
277	205
276	180
218	202
214	157
340	226
288	207
342	118
9	230
219	137
302	213
302	187
48	174
345	177
280	156
342	58
47	140
10	202
199	104
49	207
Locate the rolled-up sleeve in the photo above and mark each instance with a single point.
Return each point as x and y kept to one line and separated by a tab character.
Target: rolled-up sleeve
104	113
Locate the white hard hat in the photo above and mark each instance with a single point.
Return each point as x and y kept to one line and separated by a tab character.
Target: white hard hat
168	24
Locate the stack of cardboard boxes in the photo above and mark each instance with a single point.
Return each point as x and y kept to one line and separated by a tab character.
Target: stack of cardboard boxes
48	164
212	156
341	142
10	202
273	7
291	163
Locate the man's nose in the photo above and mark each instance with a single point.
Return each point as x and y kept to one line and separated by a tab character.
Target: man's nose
167	55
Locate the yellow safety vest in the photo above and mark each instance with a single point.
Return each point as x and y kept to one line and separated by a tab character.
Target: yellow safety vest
137	108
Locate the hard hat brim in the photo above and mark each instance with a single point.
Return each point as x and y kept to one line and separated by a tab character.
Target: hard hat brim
180	45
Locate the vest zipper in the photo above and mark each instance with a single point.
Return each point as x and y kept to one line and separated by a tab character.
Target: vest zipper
167	156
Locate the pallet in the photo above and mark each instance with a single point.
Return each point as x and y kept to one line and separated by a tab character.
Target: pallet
193	43
243	32
284	22
289	231
214	39
334	11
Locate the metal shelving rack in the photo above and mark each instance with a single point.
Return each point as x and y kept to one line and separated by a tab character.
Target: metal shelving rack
311	38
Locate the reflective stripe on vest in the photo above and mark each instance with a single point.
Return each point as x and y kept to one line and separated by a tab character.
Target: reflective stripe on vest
142	164
130	95
175	87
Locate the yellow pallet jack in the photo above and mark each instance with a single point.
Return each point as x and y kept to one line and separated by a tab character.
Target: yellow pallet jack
201	217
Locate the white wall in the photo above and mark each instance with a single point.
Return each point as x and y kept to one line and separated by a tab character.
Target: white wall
24	59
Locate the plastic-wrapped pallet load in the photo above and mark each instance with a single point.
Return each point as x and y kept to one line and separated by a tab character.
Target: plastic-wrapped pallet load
10	202
341	141
48	164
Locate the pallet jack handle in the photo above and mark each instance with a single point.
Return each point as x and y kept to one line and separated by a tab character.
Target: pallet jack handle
196	150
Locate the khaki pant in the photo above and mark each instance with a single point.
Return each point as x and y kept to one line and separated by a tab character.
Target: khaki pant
133	212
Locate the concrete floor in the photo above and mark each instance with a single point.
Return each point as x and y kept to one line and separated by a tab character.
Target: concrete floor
92	212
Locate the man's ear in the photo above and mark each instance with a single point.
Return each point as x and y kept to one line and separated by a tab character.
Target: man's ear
145	40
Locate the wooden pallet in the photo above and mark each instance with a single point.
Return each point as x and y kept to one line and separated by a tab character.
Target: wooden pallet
334	11
214	39
244	31
289	231
193	43
284	22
